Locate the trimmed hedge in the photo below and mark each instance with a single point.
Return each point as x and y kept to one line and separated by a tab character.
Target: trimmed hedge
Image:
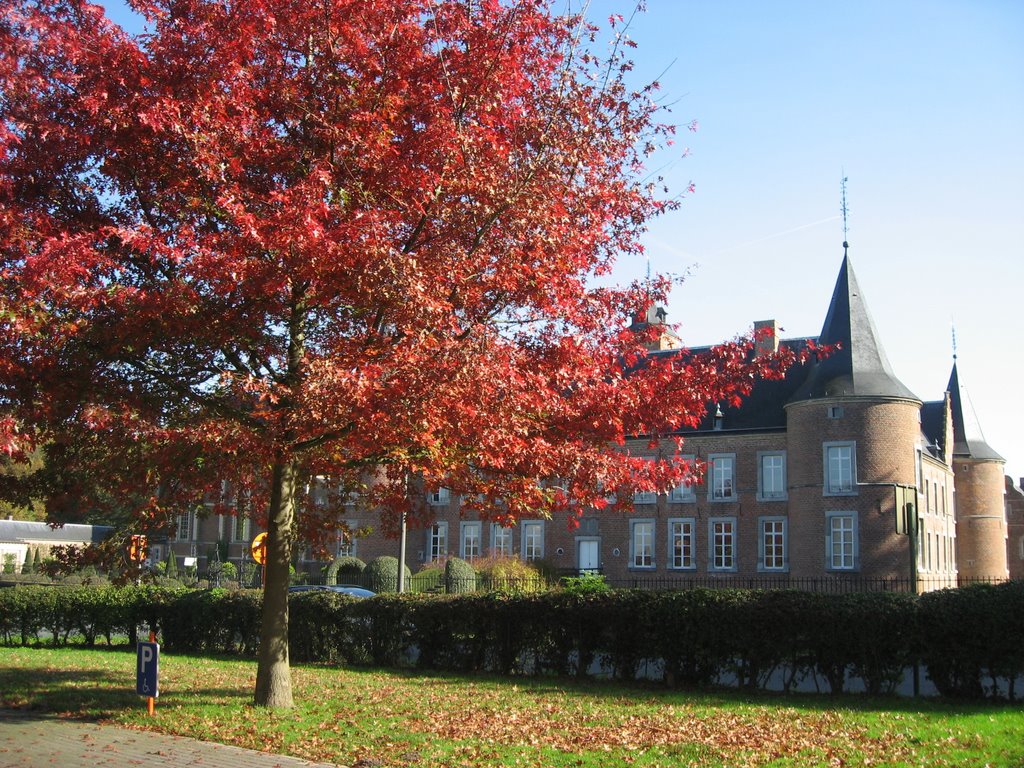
970	640
459	576
346	565
381	574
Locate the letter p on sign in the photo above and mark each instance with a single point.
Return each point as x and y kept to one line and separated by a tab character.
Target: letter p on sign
146	669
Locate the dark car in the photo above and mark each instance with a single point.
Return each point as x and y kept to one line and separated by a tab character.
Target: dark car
345	589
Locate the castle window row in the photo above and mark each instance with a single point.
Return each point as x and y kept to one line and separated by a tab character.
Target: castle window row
842	544
471	540
722	479
840	478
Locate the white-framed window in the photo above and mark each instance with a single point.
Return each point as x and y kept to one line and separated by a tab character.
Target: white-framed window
841	544
241	527
682	543
470	539
772	552
722	536
347	540
722	477
645	497
840	461
437	541
501	540
684	493
641	544
439	498
533	540
186	526
771	475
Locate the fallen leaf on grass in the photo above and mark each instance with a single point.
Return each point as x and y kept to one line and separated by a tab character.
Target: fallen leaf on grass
750	740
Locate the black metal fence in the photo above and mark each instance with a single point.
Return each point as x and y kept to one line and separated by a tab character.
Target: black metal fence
822	584
432	582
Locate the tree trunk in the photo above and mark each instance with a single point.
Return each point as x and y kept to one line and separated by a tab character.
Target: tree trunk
273	674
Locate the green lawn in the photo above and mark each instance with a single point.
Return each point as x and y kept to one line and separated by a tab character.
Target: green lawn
406	719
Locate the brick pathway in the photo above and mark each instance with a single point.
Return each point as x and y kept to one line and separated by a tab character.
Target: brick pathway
41	741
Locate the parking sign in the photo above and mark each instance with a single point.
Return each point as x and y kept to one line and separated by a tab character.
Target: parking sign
146	670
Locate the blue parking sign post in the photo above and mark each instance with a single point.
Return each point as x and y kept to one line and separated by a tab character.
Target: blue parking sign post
147	665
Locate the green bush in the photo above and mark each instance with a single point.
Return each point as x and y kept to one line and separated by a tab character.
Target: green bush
171	567
382	574
509	574
971	640
223	570
345	565
587	584
459	576
429	578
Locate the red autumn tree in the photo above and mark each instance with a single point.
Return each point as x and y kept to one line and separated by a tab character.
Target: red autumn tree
272	240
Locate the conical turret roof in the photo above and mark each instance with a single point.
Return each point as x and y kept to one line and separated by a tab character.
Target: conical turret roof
968	440
859	368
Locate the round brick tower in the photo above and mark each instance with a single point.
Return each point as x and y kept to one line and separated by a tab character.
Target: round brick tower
981	528
853	431
879	435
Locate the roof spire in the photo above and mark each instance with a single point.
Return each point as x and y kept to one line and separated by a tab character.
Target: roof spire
647	256
844	210
953	325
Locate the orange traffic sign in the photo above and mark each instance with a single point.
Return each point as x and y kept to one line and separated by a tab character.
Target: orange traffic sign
137	548
259	548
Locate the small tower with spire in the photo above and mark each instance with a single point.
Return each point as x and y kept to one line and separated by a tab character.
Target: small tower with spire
981	528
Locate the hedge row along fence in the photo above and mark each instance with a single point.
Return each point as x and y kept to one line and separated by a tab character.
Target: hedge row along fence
970	640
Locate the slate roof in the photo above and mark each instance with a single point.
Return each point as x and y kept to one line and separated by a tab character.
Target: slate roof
764	408
968	439
23	530
933	425
860	367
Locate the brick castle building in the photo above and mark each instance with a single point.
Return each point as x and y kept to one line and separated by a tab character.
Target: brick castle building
802	484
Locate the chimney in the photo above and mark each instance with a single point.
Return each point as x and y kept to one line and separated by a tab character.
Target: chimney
766	337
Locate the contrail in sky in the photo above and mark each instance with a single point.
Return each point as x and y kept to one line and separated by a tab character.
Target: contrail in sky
776	234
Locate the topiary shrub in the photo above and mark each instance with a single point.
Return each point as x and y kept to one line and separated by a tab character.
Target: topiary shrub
171	569
586	584
509	574
346	565
382	574
459	576
430	578
229	571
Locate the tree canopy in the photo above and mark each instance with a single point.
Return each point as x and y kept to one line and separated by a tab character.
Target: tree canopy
269	240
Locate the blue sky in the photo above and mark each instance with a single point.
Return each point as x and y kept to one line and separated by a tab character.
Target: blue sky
920	104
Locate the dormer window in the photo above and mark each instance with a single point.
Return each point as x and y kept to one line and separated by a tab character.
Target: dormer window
438	498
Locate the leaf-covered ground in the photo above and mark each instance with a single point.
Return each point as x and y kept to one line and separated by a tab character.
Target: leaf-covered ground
377	719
